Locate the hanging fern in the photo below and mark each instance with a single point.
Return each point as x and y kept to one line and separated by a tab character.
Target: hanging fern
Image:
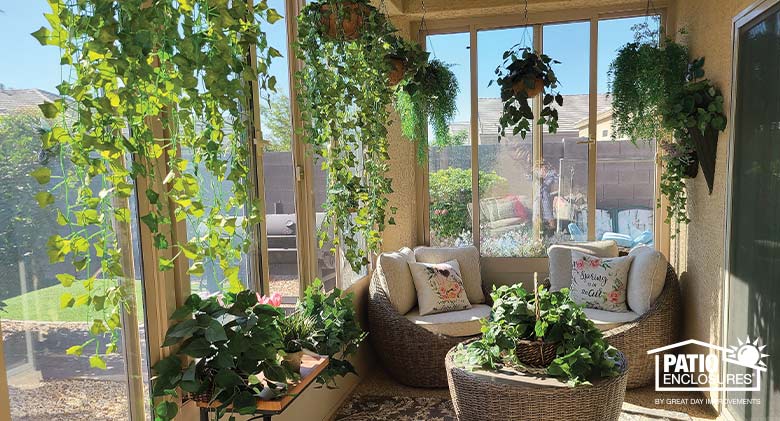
429	97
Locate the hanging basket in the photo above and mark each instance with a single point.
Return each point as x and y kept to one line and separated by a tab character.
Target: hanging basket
397	69
348	27
530	92
692	169
706	145
536	353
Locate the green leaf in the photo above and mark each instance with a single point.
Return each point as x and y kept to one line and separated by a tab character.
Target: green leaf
42	175
66	300
166	410
273	16
44	199
75	350
245	403
49	109
42	35
65	279
197	347
215	332
96	361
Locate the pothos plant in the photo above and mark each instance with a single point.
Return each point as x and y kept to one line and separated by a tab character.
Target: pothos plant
582	354
344	99
523	74
428	96
149	79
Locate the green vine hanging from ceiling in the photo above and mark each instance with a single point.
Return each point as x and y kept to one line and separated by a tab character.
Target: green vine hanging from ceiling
344	99
150	79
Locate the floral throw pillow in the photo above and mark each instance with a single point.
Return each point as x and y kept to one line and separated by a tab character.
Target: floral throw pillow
598	282
439	287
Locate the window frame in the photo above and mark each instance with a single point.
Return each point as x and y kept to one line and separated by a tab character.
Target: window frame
501	266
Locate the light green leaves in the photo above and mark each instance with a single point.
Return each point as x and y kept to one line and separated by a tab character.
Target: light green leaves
65	279
44	199
50	109
97	361
42	175
66	300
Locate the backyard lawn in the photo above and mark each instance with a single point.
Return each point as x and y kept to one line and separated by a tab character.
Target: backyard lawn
44	304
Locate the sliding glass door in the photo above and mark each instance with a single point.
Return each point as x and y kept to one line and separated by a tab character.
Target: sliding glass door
754	245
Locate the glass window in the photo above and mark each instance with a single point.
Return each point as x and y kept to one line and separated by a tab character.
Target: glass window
506	192
563	174
625	172
449	166
44	381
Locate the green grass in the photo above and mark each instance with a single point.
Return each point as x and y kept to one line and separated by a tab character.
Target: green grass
44	304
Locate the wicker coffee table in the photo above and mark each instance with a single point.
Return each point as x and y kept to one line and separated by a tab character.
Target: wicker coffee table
510	395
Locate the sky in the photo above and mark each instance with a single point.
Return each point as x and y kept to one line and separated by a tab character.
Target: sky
35	66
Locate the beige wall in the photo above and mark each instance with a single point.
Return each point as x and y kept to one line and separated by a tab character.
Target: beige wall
698	252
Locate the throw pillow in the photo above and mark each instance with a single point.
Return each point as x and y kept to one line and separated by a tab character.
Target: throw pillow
439	287
646	278
392	274
599	283
560	259
468	262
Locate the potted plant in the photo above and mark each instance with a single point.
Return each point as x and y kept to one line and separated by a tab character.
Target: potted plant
342	19
405	59
523	74
428	96
296	330
551	319
228	348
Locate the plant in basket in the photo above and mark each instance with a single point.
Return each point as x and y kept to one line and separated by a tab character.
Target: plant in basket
342	19
297	330
523	74
228	353
405	59
541	332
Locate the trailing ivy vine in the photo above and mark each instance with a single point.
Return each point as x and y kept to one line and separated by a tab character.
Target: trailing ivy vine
150	78
344	99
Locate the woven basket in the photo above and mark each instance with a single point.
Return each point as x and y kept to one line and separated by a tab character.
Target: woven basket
535	353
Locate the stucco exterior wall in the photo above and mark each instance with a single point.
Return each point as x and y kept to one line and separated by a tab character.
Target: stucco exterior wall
698	252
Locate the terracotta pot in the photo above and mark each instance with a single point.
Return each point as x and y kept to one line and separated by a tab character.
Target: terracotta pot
520	85
347	28
535	353
397	69
692	170
294	360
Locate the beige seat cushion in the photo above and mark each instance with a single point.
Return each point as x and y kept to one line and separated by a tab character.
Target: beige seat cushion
452	323
560	259
468	260
393	275
646	278
606	320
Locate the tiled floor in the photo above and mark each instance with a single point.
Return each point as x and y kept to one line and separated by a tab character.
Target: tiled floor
380	398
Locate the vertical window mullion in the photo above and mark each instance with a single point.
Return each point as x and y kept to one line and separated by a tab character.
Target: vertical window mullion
473	78
592	127
537	147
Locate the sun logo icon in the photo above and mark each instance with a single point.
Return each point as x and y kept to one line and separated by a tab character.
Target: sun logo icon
749	353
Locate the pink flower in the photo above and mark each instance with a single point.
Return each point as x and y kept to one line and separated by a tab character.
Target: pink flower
444	211
595	263
613	296
579	264
275	300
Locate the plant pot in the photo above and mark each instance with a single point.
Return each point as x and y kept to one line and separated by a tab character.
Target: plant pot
347	28
397	69
536	353
294	360
706	145
520	86
692	169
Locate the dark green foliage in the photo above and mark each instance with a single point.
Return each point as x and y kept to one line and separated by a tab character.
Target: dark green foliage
526	67
428	97
582	353
344	98
337	330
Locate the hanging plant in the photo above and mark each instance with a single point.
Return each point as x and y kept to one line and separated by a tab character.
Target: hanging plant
158	71
406	59
429	97
344	98
523	75
342	20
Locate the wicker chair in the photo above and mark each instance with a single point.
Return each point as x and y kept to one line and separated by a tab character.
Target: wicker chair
411	354
658	327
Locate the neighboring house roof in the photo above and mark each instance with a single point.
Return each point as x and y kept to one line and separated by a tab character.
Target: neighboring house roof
12	100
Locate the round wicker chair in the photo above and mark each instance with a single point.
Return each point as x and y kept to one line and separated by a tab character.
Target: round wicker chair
411	354
658	327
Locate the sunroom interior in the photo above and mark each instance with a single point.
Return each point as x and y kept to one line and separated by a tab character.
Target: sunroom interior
195	192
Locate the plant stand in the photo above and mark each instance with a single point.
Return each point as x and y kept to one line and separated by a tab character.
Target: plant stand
311	366
510	395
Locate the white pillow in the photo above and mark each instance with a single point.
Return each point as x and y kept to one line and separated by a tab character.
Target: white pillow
468	261
560	259
646	278
439	287
599	283
392	273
